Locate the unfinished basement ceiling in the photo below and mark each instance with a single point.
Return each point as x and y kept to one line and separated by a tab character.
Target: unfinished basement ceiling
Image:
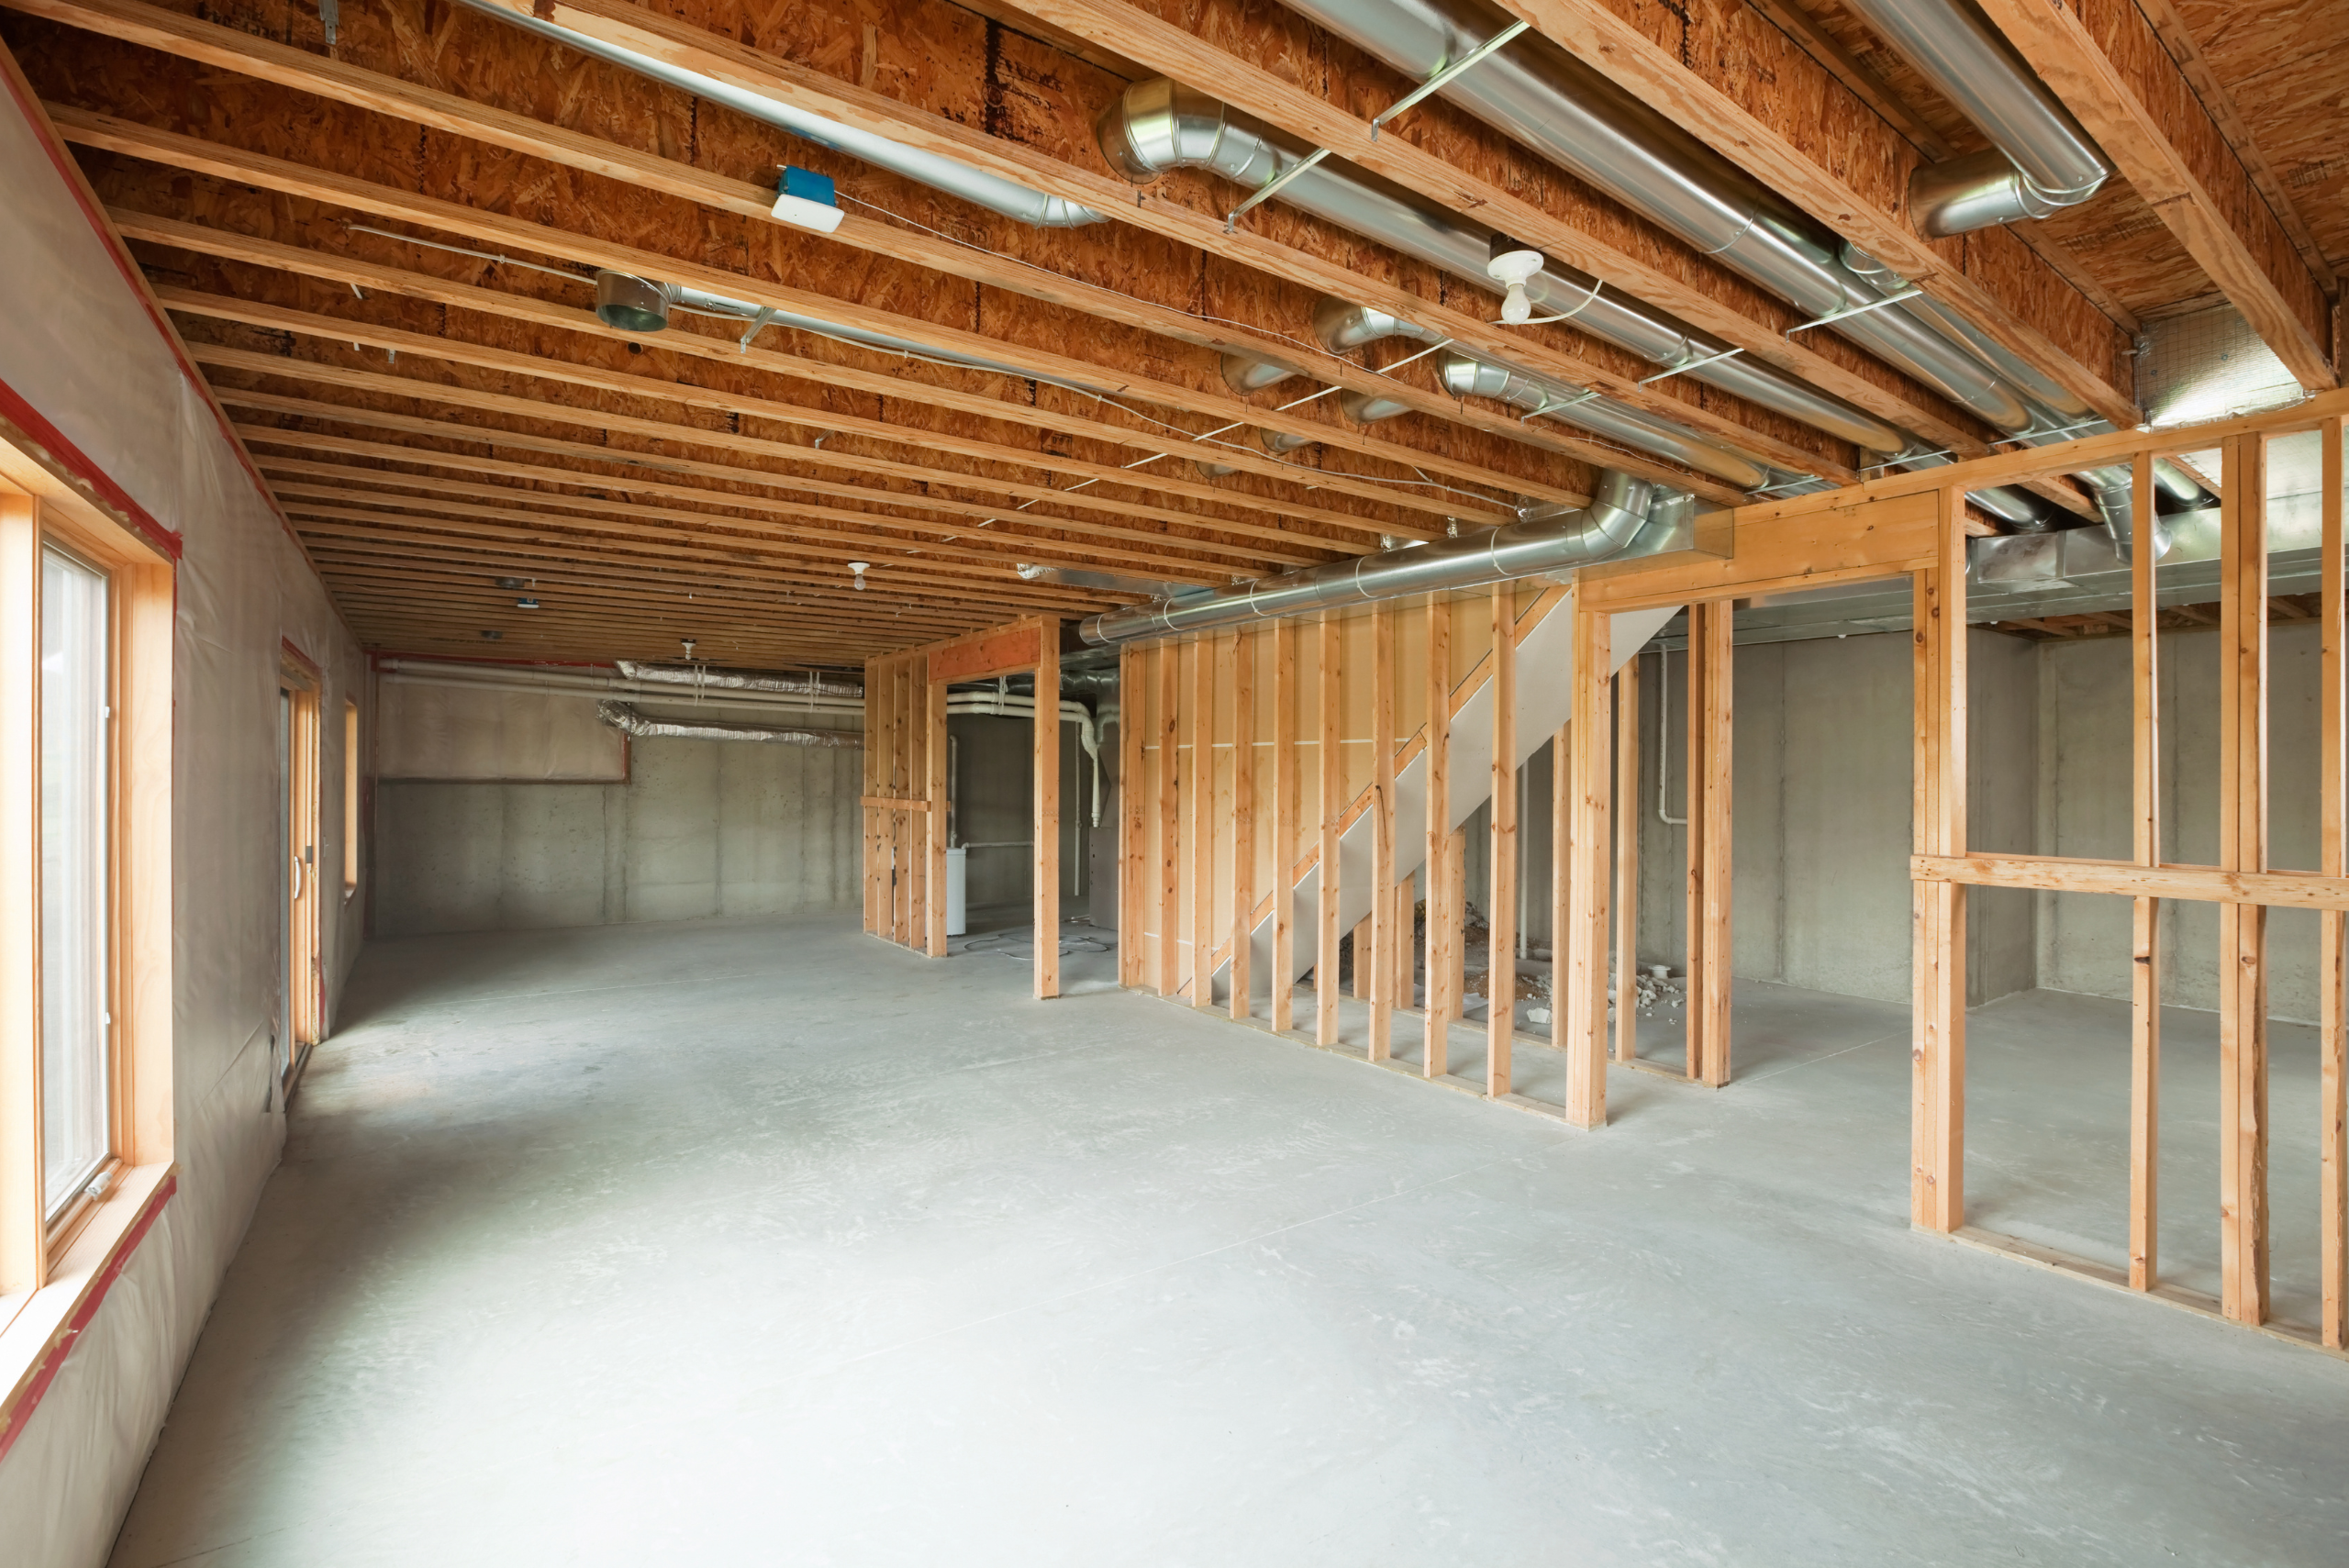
381	255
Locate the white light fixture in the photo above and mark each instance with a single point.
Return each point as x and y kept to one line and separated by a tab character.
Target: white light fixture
860	568
806	199
1511	264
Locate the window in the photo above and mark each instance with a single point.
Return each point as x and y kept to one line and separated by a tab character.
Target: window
86	628
76	1025
350	796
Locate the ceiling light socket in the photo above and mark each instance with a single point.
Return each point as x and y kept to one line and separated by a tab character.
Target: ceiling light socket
860	568
1511	263
806	199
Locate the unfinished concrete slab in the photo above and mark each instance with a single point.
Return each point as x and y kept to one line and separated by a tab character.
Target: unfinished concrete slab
770	1242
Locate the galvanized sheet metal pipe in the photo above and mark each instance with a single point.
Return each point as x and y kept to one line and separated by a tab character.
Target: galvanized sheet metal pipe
2041	161
1159	125
998	194
1551	541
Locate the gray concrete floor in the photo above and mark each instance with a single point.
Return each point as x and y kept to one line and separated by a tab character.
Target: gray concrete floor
771	1244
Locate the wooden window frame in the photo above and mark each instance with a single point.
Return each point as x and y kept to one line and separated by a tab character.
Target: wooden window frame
50	1268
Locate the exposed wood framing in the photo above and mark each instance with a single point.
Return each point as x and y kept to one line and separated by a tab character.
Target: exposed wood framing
1284	636
1937	1163
1046	792
1331	794
1244	815
2144	938
1444	914
1500	915
1627	858
2332	928
1711	95
1709	751
1134	914
2132	97
1580	999
2243	847
1172	775
1199	827
1385	943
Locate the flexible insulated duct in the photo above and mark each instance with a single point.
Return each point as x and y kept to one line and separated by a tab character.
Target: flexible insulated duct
2041	162
997	194
1554	540
1158	125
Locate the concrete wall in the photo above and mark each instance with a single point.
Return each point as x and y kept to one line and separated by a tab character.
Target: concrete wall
701	827
2085	803
1824	744
995	806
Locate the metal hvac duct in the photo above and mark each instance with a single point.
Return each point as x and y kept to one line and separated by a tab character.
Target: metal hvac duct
992	192
1542	96
1552	541
2041	162
632	303
625	718
709	678
1466	375
1158	125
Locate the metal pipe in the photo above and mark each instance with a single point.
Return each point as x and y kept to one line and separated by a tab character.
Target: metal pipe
625	718
704	677
1553	540
2041	162
990	190
1158	126
1466	375
1537	93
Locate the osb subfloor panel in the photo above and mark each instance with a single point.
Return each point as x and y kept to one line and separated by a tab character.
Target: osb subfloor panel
770	1243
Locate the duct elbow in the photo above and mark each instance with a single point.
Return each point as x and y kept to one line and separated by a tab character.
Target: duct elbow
1984	190
1159	126
1248	376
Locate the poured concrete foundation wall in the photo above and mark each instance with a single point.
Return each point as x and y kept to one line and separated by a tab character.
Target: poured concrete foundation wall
994	811
2085	725
701	827
1822	833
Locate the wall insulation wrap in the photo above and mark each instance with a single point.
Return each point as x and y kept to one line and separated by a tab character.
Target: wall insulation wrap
91	362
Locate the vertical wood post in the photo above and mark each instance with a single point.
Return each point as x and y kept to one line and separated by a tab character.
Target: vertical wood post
1582	1003
1385	943
1168	891
2145	934
1937	1121
1048	809
1500	918
1200	828
875	731
2332	952
1709	999
1243	817
917	828
934	824
1627	862
1133	848
1364	979
1444	917
2242	846
1332	770
1455	898
1285	805
901	886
